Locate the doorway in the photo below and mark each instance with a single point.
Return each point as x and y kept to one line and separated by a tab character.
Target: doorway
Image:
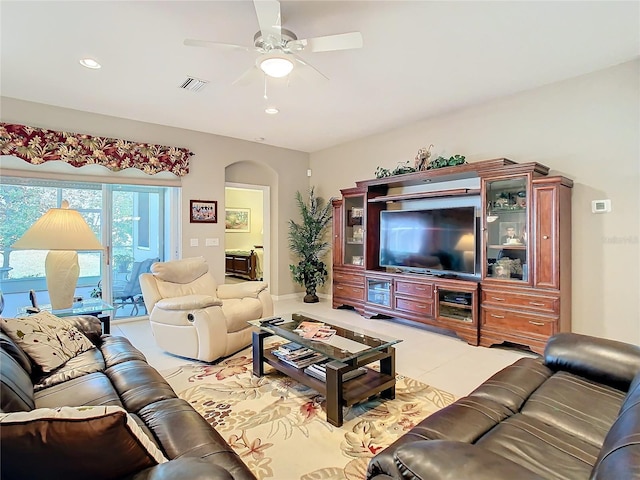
247	231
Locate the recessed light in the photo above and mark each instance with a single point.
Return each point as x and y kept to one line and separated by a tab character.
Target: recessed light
271	110
259	139
90	63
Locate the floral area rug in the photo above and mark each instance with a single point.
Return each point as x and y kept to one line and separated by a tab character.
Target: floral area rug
279	427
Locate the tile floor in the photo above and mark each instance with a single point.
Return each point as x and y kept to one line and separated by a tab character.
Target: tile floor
433	358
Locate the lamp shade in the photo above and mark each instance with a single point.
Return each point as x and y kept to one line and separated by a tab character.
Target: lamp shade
466	243
59	229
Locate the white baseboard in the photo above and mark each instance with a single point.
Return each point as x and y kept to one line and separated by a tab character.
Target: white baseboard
293	296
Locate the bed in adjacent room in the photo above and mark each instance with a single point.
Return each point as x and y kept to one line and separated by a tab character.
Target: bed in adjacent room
244	263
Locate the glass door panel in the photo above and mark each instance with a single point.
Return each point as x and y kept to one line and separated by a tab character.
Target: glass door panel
379	291
137	241
507	229
353	247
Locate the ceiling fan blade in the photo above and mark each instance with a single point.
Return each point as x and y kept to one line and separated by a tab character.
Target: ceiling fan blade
308	71
190	42
341	41
268	12
250	76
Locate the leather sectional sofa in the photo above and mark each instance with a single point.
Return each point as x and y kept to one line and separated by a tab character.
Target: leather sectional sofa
114	374
573	414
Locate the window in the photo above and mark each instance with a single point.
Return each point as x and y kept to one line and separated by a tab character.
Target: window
143	220
129	219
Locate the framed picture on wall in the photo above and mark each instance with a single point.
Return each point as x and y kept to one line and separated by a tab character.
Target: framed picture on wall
203	211
237	220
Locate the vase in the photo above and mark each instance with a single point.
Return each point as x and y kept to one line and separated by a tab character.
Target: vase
311	296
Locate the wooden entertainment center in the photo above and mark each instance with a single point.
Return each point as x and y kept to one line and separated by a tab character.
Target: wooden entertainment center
520	288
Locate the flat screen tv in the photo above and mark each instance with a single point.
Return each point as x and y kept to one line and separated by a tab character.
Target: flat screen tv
438	241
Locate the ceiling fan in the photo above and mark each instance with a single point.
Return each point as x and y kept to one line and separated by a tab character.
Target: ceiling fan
279	47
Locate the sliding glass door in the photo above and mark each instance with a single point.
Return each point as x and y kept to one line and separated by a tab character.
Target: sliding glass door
131	221
137	240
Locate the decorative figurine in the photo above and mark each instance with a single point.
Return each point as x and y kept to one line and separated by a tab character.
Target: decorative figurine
422	158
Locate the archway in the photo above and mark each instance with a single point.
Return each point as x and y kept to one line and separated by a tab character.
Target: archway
248	205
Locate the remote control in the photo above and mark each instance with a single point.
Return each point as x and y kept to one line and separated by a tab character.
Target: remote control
270	320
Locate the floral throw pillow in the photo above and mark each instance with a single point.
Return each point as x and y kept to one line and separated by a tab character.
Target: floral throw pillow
48	340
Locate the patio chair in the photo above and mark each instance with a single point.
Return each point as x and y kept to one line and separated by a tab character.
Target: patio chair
129	292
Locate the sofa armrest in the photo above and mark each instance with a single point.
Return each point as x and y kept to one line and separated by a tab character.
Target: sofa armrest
184	468
241	290
605	361
188	302
447	460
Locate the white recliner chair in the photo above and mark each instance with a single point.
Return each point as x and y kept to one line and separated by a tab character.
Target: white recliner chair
193	317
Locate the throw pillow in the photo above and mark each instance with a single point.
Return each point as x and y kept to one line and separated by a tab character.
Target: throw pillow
96	442
48	340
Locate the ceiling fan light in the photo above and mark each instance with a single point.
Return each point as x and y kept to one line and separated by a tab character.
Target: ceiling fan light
276	66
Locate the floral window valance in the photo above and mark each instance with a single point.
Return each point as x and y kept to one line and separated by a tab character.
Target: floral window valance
38	145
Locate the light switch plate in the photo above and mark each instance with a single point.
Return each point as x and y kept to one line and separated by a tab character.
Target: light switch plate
193	242
212	242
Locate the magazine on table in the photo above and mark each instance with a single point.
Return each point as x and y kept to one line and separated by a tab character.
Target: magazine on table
305	361
315	331
298	357
318	371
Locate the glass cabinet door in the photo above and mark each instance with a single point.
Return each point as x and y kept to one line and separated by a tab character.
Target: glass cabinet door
506	225
353	248
379	291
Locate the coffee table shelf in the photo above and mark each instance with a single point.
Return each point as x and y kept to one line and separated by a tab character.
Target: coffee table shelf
353	391
338	393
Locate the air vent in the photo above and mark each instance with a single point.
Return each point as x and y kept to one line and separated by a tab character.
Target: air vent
193	84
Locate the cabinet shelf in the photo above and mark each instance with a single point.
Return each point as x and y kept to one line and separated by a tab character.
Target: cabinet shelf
457	192
509	210
456	305
508	247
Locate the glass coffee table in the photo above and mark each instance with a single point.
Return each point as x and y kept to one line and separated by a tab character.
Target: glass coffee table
91	306
346	350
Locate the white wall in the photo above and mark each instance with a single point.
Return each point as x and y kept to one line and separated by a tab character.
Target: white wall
587	129
251	200
286	173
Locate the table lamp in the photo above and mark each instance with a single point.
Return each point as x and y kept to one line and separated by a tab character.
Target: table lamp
63	232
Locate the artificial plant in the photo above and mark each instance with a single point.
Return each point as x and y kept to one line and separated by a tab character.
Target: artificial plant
307	241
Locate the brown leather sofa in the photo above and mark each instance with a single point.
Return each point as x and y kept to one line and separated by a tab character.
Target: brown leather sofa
114	373
573	414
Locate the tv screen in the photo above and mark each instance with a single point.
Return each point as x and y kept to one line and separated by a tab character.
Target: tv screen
441	240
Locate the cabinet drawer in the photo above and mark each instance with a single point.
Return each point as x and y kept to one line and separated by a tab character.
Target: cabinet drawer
413	306
507	320
421	290
547	304
340	277
349	292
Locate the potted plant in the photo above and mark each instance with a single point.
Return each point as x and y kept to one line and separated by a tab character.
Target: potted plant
307	242
122	261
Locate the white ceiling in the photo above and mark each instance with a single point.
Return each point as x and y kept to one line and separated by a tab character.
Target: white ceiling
420	58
